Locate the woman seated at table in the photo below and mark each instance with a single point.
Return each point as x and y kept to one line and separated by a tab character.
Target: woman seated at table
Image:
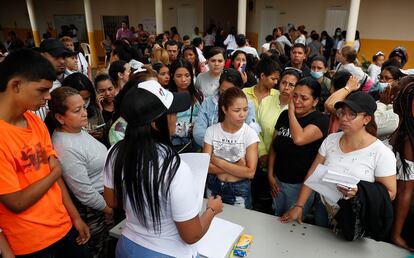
299	132
144	175
233	147
355	151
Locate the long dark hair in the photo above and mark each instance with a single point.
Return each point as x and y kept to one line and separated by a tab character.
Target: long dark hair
197	60
182	63
403	106
144	163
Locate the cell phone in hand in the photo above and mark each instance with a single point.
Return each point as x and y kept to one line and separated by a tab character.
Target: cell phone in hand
243	68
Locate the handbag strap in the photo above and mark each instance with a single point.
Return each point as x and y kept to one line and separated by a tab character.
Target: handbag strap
191	115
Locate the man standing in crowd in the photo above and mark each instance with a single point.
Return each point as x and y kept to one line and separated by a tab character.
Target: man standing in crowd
37	215
242	45
298	58
54	51
124	31
172	50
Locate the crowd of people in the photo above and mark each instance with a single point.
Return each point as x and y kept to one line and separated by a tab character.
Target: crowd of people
81	153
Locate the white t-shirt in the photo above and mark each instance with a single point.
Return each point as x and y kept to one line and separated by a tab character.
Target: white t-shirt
373	71
387	121
375	160
82	64
301	39
230	146
400	174
284	41
266	46
201	57
181	205
230	42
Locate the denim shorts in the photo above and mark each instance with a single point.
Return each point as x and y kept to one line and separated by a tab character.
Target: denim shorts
236	194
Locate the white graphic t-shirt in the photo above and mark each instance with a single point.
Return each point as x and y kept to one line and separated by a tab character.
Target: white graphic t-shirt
230	146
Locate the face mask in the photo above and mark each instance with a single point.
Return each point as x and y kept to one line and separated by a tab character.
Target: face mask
316	75
382	86
87	103
338	33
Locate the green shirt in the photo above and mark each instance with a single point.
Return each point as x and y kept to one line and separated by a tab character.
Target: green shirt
267	113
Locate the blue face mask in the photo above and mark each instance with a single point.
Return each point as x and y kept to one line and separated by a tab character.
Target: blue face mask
316	75
382	86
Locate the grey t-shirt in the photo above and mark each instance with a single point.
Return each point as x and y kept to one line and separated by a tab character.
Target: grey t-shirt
82	158
314	47
207	84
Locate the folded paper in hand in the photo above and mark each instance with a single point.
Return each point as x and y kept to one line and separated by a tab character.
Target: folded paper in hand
341	179
324	181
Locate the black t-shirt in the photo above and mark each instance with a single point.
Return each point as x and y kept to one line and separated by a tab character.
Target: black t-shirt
292	161
107	116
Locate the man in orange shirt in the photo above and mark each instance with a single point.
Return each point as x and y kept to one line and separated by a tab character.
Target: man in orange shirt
37	215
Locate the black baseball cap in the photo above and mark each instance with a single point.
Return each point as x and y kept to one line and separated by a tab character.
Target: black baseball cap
53	47
149	100
359	102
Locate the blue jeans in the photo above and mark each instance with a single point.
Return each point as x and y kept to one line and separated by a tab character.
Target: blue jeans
129	249
287	197
236	194
321	215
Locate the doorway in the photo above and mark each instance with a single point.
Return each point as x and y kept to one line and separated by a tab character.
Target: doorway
112	23
268	21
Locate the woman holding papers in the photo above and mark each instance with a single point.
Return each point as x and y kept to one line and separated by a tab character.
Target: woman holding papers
145	176
232	145
299	132
355	151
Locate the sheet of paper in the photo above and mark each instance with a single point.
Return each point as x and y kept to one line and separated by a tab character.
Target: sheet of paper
198	163
340	178
328	190
219	239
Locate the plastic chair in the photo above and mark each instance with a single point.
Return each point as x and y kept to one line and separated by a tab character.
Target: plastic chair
86	50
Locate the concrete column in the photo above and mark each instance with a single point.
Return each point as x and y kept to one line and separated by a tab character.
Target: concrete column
352	22
91	32
33	24
241	17
158	17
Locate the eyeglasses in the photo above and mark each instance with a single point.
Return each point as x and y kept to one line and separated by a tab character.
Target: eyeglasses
340	113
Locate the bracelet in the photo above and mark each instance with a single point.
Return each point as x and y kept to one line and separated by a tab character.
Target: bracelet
214	212
299	206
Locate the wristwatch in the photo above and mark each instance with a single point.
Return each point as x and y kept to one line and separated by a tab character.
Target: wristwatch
347	88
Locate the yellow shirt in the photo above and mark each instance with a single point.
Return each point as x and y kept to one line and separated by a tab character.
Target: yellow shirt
267	113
